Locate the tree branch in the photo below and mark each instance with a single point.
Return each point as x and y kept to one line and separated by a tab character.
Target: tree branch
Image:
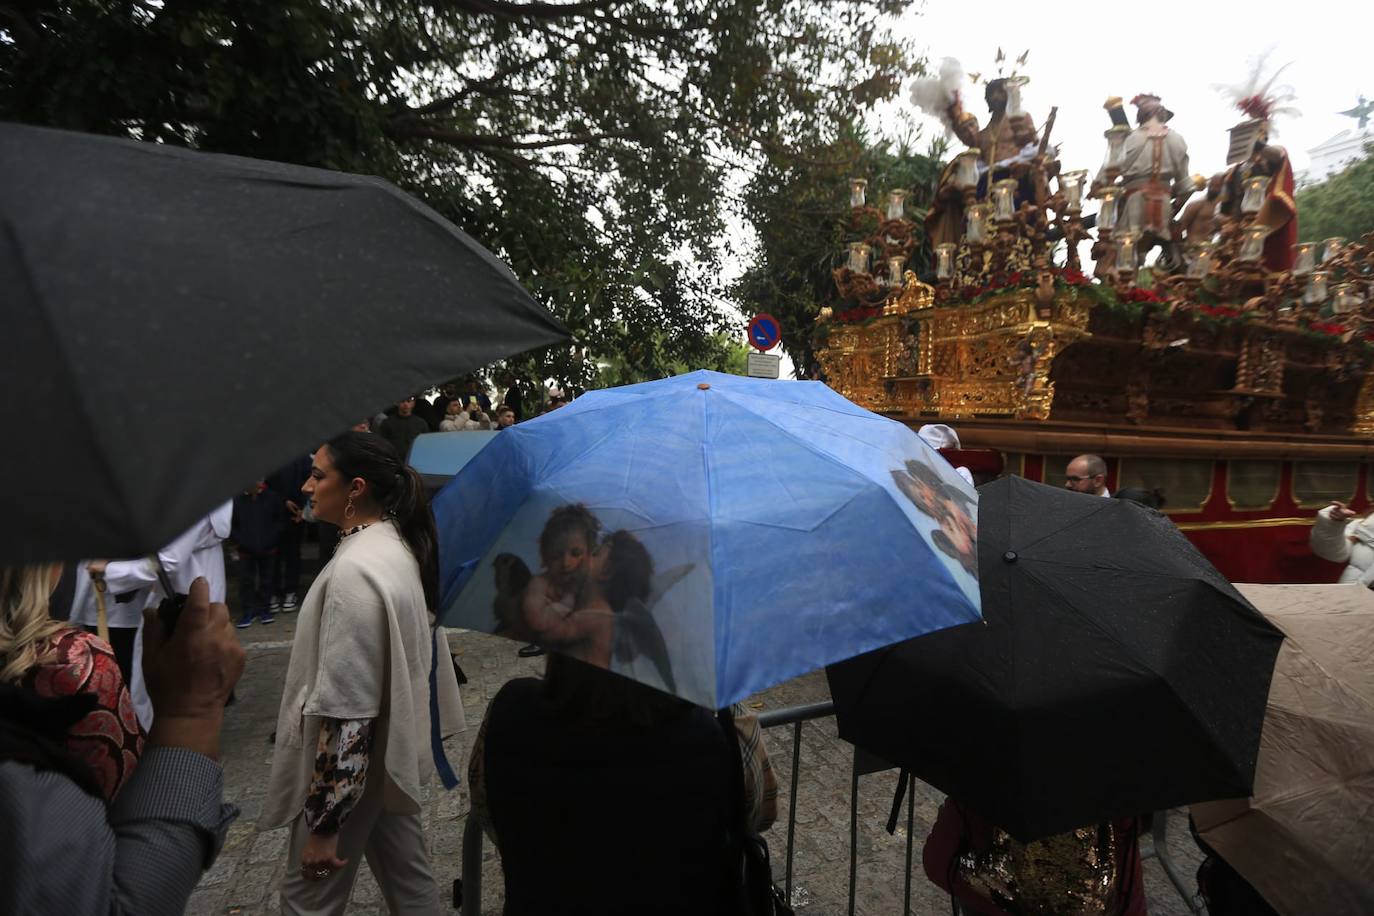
20	27
483	141
506	9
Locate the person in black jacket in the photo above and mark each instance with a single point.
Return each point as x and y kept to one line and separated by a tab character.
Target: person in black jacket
287	481
259	520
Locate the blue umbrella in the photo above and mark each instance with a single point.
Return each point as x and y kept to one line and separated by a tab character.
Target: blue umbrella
709	535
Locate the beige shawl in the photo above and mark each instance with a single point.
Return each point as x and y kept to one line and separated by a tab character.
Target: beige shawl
362	651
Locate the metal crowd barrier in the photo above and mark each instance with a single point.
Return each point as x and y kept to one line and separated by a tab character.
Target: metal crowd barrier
470	892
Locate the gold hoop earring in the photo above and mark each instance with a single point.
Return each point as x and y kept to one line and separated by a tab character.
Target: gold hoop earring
348	509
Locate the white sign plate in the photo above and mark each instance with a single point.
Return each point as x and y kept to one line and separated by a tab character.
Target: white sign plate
763	365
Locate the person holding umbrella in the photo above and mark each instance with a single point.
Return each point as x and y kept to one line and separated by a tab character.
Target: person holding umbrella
354	729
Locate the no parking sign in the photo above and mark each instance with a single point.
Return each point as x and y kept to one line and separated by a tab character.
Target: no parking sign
765	332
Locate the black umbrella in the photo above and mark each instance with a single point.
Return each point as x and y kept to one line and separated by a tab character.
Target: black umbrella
176	324
1115	672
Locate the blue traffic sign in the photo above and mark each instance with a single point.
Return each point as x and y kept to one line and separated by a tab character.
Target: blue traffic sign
765	332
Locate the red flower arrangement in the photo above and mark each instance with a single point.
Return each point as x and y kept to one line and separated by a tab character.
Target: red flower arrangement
858	314
1219	311
1323	327
1141	294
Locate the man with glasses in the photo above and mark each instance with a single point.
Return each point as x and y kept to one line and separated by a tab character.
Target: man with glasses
1087	474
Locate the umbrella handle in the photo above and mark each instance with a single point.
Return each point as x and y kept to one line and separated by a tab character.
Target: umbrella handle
102	623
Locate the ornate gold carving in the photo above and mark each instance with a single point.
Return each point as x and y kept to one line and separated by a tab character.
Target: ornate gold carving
1364	407
990	359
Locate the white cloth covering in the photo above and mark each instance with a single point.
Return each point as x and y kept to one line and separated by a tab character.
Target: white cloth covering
1349	542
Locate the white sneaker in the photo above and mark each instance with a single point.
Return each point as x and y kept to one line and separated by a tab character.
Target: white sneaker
289	603
274	604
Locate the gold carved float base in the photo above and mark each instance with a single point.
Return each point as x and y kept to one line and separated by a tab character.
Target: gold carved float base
988	359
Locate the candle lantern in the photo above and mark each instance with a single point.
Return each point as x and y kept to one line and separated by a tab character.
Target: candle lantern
1345	299
1332	247
944	260
896	204
966	169
1200	260
1106	215
1256	187
1116	139
1315	293
858	192
858	257
1004	200
894	271
1127	248
1071	184
976	224
1305	261
1251	245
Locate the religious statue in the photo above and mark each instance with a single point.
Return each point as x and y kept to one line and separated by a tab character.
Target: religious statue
1261	100
1006	144
1200	218
1154	174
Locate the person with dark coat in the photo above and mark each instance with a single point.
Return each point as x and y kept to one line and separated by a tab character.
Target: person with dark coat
259	521
287	481
404	428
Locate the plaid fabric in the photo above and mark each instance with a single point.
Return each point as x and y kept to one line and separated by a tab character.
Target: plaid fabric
65	853
760	783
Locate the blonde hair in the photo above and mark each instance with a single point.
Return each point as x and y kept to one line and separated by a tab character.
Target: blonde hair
25	626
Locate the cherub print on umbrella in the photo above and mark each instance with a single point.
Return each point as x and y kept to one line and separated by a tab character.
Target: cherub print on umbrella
592	599
951	508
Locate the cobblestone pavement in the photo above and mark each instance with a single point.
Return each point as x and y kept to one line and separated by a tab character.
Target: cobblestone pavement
245	878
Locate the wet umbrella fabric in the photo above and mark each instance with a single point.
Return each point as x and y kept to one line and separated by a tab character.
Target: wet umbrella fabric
753	530
1116	672
177	324
1303	839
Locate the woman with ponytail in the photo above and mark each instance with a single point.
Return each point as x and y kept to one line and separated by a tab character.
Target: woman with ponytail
353	732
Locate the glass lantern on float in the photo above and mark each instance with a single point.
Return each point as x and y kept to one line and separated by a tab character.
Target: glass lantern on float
894	272
1251	245
976	223
858	192
1110	209
1304	259
1345	298
1199	259
1315	293
896	204
944	260
858	257
966	169
1071	184
1116	139
1004	200
1332	247
1127	252
1256	187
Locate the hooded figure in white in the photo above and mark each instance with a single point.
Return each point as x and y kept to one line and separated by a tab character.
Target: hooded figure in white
938	436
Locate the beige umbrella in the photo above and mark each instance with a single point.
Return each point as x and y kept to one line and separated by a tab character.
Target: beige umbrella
1305	840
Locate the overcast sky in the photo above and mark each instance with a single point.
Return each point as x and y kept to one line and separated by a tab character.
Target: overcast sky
1082	53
